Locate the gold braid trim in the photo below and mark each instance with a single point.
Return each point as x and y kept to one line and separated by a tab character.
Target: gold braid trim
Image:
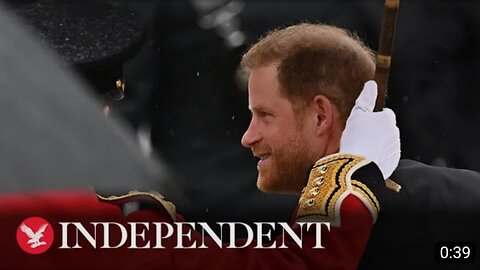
329	184
151	195
366	194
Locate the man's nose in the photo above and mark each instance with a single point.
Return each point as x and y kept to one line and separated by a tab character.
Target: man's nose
251	135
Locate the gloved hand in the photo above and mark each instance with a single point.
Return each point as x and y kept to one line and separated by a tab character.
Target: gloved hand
372	135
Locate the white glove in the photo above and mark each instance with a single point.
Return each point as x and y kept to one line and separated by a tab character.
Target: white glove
372	135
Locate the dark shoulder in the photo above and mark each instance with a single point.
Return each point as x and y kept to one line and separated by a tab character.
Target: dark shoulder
409	168
438	187
435	204
413	173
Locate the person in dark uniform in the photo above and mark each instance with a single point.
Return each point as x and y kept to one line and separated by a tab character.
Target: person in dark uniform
436	207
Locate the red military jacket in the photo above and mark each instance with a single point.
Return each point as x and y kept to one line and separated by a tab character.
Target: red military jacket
330	196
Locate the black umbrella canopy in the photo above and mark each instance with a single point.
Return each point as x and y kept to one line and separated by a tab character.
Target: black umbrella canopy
52	132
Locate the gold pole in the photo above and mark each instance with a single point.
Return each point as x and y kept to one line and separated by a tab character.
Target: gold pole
384	54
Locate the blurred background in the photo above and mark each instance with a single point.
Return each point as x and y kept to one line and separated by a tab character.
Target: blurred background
188	106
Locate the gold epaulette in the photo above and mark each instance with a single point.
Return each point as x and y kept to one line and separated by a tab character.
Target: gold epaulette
151	196
329	184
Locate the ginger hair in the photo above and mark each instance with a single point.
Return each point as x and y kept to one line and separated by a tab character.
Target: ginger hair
315	59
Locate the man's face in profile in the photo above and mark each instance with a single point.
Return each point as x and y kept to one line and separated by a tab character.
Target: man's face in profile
278	135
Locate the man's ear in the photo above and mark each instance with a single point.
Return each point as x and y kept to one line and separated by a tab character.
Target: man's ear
325	112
